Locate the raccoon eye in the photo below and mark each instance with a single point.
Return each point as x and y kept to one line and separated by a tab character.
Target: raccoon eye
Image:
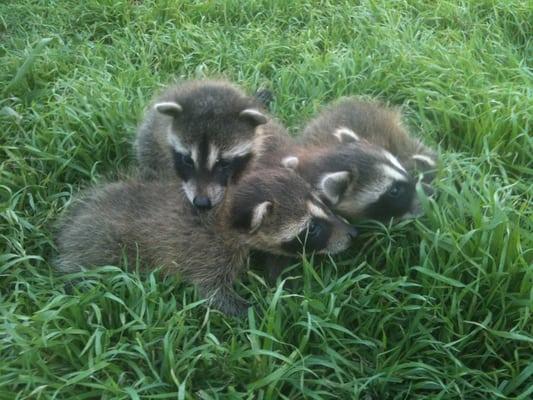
314	229
223	164
396	190
187	160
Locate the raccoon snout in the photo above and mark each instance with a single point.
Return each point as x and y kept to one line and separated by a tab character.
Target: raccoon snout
345	226
202	202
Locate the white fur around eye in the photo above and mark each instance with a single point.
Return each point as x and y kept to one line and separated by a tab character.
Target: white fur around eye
194	155
176	144
424	159
316	211
189	188
393	174
239	150
394	161
289	232
212	156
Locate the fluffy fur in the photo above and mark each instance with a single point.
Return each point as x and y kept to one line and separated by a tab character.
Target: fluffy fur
377	124
270	210
203	133
357	180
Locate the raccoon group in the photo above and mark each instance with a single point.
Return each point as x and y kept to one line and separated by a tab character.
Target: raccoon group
218	177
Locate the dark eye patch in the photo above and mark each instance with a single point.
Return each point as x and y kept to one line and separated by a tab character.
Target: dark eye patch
315	237
226	169
183	165
396	201
223	164
396	191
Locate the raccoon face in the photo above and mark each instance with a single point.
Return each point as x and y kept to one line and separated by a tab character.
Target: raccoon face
383	195
211	149
361	180
277	213
383	189
422	162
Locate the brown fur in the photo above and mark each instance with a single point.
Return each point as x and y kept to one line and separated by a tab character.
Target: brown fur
153	221
276	144
363	193
204	133
374	122
214	104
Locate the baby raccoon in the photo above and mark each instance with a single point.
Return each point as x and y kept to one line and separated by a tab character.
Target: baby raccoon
381	126
358	180
271	210
203	132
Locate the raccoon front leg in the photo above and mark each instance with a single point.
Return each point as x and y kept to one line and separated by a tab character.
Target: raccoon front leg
218	288
271	264
226	300
275	265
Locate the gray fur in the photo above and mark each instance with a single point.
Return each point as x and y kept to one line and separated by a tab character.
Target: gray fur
210	106
359	195
210	117
379	125
276	145
153	221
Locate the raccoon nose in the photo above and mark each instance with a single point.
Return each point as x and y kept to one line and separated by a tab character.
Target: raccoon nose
352	232
202	202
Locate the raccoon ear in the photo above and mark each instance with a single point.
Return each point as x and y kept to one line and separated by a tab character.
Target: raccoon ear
423	161
253	116
290	162
334	184
258	215
169	108
246	218
427	165
346	135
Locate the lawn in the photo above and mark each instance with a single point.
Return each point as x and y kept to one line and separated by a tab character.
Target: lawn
439	307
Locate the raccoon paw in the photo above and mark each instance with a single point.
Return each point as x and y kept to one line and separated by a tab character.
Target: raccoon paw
238	307
229	303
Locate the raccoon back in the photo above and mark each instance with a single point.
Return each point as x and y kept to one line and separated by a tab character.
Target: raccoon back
151	221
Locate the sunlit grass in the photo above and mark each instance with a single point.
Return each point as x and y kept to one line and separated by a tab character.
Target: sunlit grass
434	308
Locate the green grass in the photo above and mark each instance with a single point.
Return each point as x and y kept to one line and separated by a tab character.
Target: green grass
436	308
